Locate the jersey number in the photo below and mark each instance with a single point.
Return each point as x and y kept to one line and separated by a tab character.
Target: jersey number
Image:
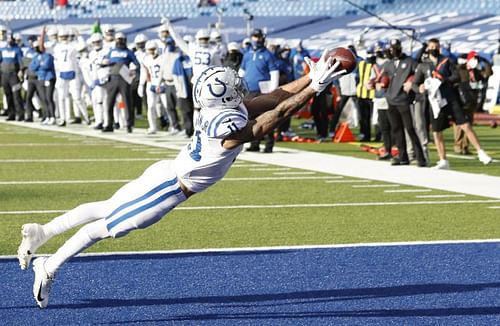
195	153
201	58
65	55
156	71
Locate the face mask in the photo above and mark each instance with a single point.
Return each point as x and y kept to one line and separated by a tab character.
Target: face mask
257	44
121	43
396	52
472	63
434	53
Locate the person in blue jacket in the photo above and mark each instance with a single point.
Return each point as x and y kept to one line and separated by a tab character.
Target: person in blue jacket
43	65
11	67
261	74
118	59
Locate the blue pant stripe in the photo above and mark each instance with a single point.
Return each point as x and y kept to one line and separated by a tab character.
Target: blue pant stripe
148	194
143	208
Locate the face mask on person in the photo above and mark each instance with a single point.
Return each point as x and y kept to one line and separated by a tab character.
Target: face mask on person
257	44
433	52
396	52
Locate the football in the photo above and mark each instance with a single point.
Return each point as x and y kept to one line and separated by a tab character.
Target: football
346	58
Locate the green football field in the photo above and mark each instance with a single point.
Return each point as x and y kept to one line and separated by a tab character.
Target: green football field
43	174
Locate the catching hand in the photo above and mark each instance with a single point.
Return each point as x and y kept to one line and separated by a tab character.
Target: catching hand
323	72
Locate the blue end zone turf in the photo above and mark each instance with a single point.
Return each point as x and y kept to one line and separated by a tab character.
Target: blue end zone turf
453	284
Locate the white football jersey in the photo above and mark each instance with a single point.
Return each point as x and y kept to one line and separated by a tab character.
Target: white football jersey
205	161
153	67
96	71
65	57
202	58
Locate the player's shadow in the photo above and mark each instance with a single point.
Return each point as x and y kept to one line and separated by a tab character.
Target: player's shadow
310	298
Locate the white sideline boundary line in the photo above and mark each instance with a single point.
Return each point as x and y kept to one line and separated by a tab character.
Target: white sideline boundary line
447	180
319	205
43	182
80	160
280	248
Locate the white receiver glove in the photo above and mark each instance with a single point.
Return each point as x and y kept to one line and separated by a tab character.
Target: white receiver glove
140	91
322	73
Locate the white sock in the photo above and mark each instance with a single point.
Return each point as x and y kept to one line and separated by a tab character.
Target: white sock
81	240
79	215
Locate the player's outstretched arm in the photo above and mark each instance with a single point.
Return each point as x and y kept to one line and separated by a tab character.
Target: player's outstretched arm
263	103
322	75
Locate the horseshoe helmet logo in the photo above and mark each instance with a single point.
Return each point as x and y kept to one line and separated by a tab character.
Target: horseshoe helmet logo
218	82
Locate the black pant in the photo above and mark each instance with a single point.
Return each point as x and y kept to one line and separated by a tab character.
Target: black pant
338	111
33	89
118	85
136	100
319	110
46	88
186	107
401	119
385	129
173	118
12	90
269	138
365	115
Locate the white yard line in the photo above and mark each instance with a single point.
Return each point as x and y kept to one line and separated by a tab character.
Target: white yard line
269	169
282	248
43	182
375	186
79	160
294	173
288	206
494	207
439	196
49	144
408	190
348	181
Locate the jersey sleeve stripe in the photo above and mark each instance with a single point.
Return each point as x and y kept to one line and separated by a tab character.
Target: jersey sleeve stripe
218	120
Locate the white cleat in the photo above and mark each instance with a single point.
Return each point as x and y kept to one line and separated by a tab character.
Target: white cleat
33	238
43	282
442	165
483	157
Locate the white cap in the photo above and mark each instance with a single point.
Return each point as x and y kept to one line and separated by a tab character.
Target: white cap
188	38
120	35
151	44
215	34
95	37
202	33
63	31
52	30
140	38
233	46
107	28
163	28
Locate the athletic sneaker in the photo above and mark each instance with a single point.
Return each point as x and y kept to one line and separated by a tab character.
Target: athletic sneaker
33	238
442	165
43	282
483	157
